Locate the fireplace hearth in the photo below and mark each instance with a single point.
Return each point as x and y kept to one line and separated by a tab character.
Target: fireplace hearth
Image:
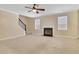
48	31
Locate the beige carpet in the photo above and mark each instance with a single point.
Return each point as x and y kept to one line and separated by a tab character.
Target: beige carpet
39	44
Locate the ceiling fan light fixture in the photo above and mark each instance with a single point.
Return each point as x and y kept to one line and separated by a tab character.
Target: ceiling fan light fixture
34	10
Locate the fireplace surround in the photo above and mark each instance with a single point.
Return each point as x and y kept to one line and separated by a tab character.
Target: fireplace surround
48	31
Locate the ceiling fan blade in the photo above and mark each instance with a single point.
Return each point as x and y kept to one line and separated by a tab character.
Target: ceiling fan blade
35	8
28	7
41	9
29	10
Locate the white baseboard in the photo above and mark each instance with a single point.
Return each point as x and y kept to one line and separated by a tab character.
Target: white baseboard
11	37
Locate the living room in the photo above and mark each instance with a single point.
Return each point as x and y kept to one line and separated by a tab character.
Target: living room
52	30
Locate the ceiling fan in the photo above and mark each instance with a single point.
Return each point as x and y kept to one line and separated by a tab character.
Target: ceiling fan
35	8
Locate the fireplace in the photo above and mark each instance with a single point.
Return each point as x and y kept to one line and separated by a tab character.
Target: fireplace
48	31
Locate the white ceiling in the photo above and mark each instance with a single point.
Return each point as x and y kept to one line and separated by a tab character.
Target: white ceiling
49	8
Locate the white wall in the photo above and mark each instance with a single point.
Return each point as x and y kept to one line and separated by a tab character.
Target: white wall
51	21
9	27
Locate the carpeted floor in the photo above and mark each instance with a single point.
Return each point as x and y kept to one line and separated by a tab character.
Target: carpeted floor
31	44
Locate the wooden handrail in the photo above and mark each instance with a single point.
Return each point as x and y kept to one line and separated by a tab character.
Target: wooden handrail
22	24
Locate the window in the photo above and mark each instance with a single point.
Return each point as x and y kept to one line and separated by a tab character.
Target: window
37	24
62	23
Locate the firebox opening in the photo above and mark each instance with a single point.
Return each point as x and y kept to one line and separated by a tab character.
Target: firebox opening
48	31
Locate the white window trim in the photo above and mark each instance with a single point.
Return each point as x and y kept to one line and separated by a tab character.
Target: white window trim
37	24
62	23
